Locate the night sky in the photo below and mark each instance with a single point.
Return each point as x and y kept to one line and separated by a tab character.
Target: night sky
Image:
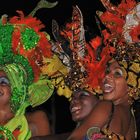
61	13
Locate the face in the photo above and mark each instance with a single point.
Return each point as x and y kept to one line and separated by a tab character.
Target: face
81	105
114	84
5	90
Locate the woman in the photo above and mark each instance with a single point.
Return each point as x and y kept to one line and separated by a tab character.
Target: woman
81	104
38	122
112	115
111	118
23	47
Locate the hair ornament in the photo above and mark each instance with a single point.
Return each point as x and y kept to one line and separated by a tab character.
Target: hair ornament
71	67
122	32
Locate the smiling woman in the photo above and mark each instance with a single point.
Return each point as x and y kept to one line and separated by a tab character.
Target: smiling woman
110	118
113	84
5	93
81	104
22	48
118	75
6	114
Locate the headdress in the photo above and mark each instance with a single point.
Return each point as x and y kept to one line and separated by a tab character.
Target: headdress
22	48
122	32
65	51
85	62
75	57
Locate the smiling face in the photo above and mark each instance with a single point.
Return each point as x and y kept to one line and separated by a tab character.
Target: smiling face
81	105
5	90
114	84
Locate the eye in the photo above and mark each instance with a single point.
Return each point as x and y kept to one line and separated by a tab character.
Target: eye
4	81
83	94
118	73
107	70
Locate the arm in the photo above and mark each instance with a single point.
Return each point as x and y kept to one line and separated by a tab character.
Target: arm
98	117
38	123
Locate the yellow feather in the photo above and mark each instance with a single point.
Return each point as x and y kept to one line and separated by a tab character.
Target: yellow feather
53	66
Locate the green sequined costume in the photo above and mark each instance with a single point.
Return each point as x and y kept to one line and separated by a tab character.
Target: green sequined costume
22	49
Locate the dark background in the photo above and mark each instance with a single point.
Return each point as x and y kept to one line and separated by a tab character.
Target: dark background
57	107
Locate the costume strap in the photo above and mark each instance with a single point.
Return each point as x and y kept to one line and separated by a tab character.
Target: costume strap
19	122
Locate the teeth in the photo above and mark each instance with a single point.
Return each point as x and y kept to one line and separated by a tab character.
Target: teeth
108	88
75	109
107	85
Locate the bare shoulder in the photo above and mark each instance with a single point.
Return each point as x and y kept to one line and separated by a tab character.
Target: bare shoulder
97	118
100	114
36	114
103	107
38	117
38	123
62	136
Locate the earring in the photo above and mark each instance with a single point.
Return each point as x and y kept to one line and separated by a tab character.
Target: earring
134	93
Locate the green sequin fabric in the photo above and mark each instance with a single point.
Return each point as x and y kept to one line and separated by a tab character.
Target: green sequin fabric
19	38
6	52
6	55
18	43
18	81
6	134
29	38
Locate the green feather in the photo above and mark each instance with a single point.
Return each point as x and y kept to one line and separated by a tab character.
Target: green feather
40	92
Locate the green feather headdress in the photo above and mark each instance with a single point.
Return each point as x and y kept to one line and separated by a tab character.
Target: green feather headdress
22	49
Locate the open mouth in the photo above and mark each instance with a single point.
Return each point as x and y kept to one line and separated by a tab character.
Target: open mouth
75	109
108	88
1	93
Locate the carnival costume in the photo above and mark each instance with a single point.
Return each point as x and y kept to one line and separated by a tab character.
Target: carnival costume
82	64
122	33
22	48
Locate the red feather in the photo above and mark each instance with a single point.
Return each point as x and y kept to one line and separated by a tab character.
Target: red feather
42	48
135	34
94	68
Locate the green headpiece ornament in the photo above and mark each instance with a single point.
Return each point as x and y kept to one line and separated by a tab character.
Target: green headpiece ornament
22	49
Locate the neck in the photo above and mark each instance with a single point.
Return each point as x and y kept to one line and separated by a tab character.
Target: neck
124	100
5	115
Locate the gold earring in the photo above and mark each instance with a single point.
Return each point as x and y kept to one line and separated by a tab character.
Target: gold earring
134	93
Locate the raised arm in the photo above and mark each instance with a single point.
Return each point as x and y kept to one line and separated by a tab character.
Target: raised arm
38	123
98	117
